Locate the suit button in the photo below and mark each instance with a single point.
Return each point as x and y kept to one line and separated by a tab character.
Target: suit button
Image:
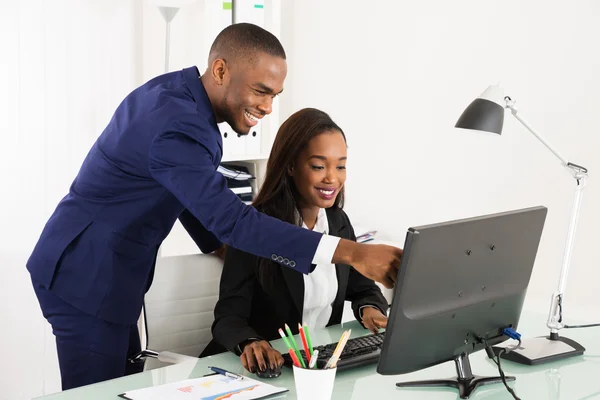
280	259
286	261
292	264
274	257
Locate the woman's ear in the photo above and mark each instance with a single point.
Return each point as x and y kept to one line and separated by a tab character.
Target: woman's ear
290	170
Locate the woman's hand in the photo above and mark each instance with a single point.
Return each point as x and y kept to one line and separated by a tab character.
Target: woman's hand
260	355
220	252
373	319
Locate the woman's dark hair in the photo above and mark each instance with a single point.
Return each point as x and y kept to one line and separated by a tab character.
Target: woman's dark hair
278	193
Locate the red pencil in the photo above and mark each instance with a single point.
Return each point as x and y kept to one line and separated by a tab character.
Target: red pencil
304	342
294	358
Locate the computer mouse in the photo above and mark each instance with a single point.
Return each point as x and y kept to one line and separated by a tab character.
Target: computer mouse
269	372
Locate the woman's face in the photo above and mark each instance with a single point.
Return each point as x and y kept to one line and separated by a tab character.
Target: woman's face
319	171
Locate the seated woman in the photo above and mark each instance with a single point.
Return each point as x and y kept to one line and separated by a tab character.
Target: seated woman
304	184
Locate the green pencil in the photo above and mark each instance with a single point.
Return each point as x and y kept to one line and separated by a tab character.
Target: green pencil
308	339
291	337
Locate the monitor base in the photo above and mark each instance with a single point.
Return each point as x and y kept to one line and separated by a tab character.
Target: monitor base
465	382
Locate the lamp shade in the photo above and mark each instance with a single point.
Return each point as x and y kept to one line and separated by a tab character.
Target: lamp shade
485	113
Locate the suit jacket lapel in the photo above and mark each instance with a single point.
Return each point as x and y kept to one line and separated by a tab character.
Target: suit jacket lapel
342	272
295	287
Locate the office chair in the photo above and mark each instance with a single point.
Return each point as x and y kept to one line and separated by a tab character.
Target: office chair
178	309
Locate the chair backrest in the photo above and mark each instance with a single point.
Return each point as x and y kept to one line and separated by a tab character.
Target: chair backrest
179	306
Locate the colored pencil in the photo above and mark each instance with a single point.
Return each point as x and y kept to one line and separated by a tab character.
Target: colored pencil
338	350
295	358
304	343
308	338
313	359
285	339
291	337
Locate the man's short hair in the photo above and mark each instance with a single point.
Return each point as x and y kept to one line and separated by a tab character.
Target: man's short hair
243	41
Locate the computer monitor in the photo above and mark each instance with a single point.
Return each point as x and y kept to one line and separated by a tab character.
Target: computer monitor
459	282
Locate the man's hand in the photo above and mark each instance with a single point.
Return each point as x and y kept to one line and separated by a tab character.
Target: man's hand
378	262
373	319
259	355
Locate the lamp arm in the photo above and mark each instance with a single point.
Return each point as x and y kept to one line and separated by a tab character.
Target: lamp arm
514	112
580	174
555	321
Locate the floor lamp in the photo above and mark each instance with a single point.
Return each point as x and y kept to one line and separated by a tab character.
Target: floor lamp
486	113
169	9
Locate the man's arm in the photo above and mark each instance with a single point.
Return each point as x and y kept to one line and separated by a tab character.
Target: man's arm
181	162
378	262
204	239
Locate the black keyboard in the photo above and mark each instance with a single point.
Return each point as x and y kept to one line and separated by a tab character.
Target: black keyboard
358	351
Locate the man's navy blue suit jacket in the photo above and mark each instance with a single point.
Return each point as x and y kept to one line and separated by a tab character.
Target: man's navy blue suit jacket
155	162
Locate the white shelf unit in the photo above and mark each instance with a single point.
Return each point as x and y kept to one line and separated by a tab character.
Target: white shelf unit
256	167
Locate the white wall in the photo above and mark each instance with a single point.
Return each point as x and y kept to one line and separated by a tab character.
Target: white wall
65	67
396	75
62	73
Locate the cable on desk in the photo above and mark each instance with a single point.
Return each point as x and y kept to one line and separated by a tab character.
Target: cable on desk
497	361
560	311
581	326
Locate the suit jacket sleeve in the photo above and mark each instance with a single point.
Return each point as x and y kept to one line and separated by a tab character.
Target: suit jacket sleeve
232	311
181	161
205	240
362	291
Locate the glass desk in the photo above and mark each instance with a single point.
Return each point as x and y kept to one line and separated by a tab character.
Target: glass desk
571	379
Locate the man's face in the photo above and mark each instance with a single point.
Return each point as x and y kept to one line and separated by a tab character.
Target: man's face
249	90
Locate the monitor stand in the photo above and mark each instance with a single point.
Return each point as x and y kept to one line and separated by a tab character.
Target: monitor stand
465	382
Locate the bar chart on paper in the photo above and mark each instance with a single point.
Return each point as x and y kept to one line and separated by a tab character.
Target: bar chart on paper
214	387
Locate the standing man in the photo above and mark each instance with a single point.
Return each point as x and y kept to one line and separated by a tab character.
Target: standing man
155	162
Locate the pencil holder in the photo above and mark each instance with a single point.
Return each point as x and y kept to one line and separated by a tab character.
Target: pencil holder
314	384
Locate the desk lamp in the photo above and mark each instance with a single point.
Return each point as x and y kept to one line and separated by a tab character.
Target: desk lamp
486	113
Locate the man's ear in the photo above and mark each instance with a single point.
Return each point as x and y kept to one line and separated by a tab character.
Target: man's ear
218	71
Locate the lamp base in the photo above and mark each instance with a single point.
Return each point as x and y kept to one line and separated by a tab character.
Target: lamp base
540	350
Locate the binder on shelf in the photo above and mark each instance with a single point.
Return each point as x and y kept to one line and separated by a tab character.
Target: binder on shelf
253	140
237	146
234	145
